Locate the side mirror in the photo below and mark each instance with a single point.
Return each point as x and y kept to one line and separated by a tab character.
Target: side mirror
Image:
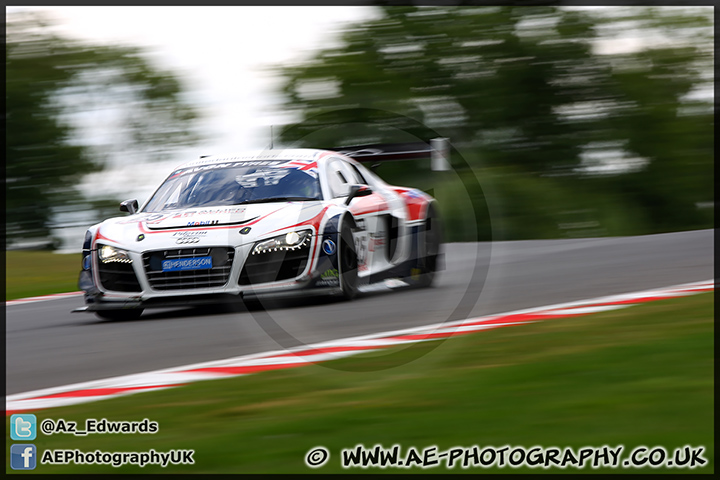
130	206
358	191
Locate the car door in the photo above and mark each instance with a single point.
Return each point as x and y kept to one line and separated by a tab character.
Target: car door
384	211
366	210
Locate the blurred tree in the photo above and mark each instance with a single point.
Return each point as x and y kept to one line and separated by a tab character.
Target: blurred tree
487	76
51	82
663	119
529	91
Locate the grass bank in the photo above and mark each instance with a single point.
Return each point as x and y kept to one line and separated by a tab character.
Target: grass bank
32	273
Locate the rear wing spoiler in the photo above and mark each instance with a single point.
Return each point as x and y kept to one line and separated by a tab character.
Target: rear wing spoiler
438	151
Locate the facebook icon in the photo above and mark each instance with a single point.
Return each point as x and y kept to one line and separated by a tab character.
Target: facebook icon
22	456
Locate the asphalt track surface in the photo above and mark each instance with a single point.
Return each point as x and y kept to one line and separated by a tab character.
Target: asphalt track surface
47	346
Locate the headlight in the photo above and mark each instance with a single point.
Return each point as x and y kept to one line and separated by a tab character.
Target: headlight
110	254
288	241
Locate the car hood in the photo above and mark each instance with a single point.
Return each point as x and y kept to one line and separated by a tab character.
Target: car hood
218	216
226	225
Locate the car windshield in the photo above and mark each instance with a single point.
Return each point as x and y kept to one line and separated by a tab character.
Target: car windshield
237	183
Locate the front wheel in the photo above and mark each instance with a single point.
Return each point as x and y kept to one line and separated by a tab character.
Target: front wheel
347	263
118	315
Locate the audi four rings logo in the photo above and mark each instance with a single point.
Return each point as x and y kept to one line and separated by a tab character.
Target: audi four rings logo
186	240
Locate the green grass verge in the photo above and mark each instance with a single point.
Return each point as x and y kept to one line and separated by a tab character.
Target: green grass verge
641	376
32	273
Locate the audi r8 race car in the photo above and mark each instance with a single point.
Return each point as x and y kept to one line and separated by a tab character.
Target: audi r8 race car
278	220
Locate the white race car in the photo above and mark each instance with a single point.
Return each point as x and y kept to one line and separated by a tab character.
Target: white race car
229	226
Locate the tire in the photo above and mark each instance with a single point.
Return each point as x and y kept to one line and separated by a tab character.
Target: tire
347	263
423	273
118	315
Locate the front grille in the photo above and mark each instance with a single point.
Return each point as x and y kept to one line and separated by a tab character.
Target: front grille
274	266
217	276
118	277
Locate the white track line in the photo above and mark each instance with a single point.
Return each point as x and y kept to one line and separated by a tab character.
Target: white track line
303	355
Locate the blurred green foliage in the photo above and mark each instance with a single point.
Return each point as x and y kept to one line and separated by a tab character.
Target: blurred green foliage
52	82
564	121
570	129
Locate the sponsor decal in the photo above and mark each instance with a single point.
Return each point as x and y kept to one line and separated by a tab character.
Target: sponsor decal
217	211
376	241
189	234
361	249
269	160
328	246
261	163
185	214
199	263
156	218
329	278
332	273
203	223
256	163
